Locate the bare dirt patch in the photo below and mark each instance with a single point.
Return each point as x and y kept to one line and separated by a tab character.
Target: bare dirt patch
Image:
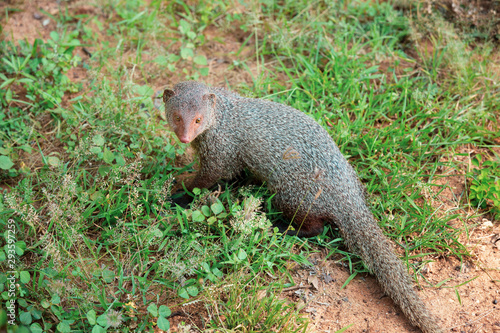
363	304
30	23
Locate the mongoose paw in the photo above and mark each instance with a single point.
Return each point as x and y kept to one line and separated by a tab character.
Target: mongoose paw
181	198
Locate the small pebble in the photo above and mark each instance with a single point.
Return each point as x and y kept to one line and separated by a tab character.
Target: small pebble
495	301
37	16
45	22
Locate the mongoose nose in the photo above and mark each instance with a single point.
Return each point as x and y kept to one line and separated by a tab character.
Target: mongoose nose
185	139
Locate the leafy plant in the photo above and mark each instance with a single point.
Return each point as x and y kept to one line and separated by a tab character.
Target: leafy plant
187	50
224	235
39	69
32	76
484	191
247	304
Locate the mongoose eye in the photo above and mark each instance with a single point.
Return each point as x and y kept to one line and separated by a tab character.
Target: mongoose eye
198	120
177	118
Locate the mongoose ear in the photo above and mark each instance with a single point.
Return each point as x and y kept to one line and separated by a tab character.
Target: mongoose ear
168	94
211	98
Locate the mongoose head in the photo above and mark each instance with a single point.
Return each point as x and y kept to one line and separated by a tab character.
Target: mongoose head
190	109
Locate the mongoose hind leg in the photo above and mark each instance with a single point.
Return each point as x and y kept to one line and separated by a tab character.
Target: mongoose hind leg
303	225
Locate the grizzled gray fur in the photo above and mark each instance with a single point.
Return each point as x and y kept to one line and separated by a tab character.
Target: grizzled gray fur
298	160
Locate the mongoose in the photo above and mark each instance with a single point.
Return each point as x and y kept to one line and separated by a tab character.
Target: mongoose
298	160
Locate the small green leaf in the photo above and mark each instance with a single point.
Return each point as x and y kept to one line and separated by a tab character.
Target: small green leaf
161	60
458	296
352	276
45	304
6	81
183	293
153	309
25	318
96	196
164	311
26	148
205	210
184	26
102	320
108	156
98	329
198	216
119	159
24	276
186	53
103	170
91	317
163	323
108	276
36	328
54	161
204	71
217	272
217	207
54	35
98	140
5	163
20	246
55	299
8	96
63	327
205	266
200	60
143	90
242	255
192	290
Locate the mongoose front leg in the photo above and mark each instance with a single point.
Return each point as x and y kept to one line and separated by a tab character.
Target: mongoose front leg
201	180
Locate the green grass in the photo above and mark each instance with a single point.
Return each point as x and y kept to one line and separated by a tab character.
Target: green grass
88	168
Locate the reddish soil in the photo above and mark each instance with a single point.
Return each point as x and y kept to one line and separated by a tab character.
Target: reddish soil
472	307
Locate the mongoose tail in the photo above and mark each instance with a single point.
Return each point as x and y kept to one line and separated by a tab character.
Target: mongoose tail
376	251
312	182
363	236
